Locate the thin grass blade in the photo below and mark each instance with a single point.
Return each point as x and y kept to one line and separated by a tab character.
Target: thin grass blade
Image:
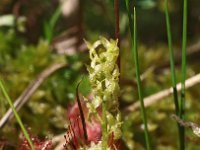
173	74
133	30
183	70
171	55
16	115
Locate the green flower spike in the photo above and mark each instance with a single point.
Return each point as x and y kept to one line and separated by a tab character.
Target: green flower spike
104	78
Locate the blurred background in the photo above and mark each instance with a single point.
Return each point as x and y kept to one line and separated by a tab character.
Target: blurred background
36	35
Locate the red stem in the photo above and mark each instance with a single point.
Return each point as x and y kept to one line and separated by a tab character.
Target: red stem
117	28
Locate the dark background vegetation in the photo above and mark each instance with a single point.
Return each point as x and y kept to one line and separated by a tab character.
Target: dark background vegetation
47	37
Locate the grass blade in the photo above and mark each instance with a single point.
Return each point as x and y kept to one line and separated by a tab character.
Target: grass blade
183	70
173	74
171	54
139	84
132	25
16	115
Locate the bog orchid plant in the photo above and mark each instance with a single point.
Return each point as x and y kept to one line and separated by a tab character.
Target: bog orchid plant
97	125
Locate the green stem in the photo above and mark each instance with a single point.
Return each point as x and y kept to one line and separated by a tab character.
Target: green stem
173	74
183	70
16	115
104	126
171	54
135	52
132	26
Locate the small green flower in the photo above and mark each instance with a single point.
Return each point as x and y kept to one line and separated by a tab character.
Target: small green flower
104	72
104	78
